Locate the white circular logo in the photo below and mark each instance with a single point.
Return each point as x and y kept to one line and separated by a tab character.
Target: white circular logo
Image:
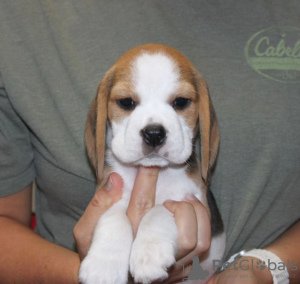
275	53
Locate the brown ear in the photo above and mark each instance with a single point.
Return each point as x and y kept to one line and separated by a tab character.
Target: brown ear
209	130
96	126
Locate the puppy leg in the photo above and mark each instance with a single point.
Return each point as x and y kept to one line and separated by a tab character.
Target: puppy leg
153	250
108	258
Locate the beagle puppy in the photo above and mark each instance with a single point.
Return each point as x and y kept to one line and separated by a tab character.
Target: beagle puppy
151	107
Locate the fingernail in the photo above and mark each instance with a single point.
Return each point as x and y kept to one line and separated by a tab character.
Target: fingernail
191	197
109	184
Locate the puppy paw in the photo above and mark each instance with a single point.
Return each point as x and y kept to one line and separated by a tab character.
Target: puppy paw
150	258
103	270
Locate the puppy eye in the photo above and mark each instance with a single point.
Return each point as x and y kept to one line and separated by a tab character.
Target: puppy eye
126	104
181	103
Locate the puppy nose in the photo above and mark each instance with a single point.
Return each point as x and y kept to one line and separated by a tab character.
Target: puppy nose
154	135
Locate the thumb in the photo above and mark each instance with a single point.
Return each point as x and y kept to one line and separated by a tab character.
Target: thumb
108	195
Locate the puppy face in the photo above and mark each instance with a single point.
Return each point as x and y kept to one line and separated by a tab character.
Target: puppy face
155	102
153	112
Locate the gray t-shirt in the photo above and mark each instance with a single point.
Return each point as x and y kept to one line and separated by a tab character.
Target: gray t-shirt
53	53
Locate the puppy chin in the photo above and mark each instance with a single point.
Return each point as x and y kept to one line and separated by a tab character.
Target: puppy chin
153	162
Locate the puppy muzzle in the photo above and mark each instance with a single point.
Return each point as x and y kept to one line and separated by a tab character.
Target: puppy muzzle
154	135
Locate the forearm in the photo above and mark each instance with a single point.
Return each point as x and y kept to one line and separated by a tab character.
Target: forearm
25	257
287	248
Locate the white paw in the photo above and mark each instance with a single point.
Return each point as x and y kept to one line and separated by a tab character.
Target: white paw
150	258
107	261
103	270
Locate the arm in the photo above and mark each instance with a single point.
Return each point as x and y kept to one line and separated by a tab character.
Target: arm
24	256
286	247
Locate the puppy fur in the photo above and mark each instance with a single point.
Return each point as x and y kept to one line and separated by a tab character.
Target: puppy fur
155	78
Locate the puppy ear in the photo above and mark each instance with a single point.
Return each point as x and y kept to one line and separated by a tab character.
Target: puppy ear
96	126
209	130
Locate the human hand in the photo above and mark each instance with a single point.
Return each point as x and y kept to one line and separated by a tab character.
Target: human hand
102	200
142	200
194	234
191	217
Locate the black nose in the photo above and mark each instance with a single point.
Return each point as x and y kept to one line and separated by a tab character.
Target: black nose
154	135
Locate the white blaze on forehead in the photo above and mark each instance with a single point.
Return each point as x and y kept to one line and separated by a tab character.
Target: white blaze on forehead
155	76
155	79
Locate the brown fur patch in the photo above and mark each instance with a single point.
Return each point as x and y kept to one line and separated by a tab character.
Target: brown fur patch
122	87
121	90
90	134
190	114
106	172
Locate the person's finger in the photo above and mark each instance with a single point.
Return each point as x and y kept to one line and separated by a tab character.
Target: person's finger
186	222
143	195
102	200
194	233
203	229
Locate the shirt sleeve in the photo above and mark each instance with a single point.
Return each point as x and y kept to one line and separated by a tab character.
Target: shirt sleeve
16	152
